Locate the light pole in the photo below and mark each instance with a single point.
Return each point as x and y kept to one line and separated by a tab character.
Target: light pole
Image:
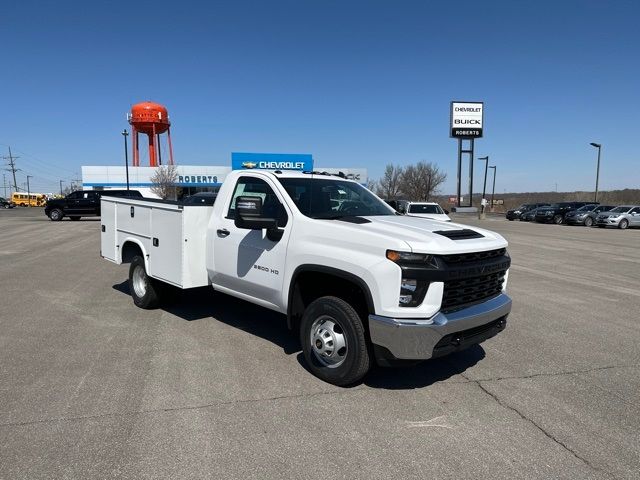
484	185
494	184
599	147
29	190
61	182
126	155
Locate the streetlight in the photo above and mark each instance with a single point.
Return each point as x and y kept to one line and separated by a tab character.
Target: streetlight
484	185
599	147
126	155
494	184
29	190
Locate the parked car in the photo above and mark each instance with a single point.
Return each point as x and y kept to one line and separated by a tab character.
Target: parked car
622	217
526	207
200	198
586	215
427	210
555	212
82	203
529	215
4	203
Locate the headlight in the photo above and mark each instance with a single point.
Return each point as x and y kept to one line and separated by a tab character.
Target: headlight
412	290
409	257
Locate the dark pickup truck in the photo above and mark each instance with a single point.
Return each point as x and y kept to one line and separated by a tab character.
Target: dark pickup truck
82	203
556	212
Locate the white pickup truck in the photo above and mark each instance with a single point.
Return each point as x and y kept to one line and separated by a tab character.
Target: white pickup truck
358	282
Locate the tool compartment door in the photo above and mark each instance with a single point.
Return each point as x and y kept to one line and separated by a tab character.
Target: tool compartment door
167	244
108	247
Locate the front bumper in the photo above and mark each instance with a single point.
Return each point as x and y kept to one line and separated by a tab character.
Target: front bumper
612	222
421	339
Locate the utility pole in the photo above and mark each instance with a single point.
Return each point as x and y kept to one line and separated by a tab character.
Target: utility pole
29	190
126	154
61	182
12	168
4	183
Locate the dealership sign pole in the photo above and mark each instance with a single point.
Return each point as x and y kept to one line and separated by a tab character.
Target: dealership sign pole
466	123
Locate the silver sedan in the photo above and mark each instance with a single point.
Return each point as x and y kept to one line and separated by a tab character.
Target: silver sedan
622	217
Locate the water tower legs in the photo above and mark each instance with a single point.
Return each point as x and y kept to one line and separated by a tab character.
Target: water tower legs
170	147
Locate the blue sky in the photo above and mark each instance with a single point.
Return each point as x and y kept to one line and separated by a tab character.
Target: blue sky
355	83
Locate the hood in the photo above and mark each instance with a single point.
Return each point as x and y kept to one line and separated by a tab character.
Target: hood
419	234
442	217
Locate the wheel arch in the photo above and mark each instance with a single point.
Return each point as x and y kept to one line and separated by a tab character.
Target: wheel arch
304	274
131	247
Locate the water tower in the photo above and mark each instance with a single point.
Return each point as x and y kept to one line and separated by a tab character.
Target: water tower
152	119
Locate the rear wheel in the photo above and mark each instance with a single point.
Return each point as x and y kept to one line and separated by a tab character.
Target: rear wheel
624	223
333	341
588	222
557	219
56	215
144	290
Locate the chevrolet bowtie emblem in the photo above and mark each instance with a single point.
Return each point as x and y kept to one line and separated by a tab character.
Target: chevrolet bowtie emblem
249	165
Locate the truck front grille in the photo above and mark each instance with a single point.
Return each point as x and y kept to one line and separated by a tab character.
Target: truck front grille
461	292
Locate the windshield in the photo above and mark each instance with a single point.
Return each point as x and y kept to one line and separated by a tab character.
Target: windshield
333	198
621	210
587	208
418	208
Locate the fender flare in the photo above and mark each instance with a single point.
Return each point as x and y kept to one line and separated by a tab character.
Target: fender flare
330	271
137	242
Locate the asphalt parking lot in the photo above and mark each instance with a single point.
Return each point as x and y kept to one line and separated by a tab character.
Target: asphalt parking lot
212	387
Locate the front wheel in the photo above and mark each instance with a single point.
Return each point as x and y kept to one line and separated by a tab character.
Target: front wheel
557	219
143	289
588	222
623	224
333	341
55	215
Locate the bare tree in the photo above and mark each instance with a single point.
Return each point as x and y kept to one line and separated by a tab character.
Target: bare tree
421	181
389	184
164	182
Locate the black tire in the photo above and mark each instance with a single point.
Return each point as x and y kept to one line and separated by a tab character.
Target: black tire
558	219
75	219
7	206
144	296
356	360
624	223
56	215
588	222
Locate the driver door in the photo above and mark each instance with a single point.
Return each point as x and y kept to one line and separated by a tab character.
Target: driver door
246	261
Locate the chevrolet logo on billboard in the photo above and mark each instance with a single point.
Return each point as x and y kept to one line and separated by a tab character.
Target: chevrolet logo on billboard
249	165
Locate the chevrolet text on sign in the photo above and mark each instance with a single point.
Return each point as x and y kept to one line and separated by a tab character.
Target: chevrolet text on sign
466	119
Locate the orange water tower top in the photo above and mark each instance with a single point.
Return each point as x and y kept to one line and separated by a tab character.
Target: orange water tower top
151	119
147	115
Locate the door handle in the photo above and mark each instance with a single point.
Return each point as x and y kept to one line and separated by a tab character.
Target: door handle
223	232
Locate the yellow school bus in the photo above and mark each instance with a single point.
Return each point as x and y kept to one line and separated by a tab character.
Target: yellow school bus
33	199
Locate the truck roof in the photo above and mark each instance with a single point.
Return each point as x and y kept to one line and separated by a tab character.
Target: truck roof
319	174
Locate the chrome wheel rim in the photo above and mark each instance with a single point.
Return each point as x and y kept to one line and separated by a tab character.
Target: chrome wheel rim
54	215
328	342
139	281
623	224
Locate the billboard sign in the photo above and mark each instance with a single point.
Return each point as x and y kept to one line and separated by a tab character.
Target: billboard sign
466	119
272	161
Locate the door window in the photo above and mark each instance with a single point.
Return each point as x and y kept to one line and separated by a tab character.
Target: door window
256	187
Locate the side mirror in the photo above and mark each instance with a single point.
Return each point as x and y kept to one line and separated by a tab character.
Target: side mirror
249	215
